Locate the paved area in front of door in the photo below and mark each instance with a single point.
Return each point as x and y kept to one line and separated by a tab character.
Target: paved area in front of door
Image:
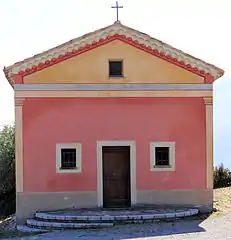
209	229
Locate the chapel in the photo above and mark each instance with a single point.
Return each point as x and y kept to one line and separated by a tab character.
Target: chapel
113	119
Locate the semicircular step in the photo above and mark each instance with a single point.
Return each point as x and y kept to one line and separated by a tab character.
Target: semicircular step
107	218
66	225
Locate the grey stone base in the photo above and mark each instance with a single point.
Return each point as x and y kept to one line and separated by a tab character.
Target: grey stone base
204	208
29	203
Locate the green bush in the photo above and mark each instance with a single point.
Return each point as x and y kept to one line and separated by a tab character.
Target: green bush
221	177
7	171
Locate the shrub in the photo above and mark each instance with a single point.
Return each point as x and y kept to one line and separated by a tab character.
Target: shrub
221	176
7	171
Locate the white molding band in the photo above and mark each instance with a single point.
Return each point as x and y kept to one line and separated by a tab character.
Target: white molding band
89	94
110	87
132	145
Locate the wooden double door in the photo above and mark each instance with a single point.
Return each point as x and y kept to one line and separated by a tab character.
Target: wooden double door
116	176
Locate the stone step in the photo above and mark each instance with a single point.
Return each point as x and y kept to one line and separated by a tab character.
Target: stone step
65	225
113	218
26	229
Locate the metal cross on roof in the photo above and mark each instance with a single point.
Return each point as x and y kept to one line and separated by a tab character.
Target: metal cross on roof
117	10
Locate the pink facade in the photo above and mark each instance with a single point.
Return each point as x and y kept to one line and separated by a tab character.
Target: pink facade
49	121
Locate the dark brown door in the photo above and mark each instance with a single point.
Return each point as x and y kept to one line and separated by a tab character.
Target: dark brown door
116	176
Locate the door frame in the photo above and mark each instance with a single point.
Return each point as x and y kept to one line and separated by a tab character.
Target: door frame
132	145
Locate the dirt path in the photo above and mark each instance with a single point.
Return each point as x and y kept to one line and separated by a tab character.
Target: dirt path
222	201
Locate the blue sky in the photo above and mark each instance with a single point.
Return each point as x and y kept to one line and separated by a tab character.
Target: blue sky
200	28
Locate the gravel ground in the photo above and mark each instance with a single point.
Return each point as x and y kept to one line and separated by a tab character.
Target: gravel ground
8	224
218	228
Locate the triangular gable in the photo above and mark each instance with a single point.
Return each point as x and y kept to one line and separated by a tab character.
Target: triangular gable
117	31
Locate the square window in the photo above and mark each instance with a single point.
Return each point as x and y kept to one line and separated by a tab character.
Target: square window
68	158
115	69
162	156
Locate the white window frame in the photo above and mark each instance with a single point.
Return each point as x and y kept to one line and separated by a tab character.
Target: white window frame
153	165
78	147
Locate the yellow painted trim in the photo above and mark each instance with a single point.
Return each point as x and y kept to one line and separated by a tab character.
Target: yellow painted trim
209	140
19	144
175	93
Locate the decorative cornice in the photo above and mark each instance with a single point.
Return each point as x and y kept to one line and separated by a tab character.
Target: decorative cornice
208	100
107	94
117	31
19	101
113	87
